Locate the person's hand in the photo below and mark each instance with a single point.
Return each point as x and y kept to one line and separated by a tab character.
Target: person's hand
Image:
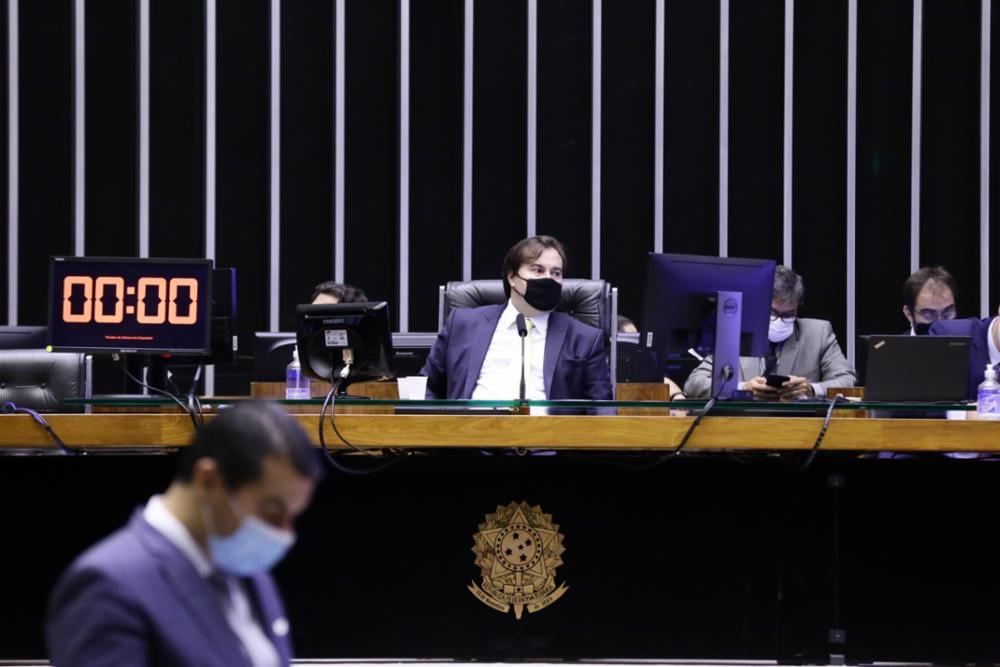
795	387
761	389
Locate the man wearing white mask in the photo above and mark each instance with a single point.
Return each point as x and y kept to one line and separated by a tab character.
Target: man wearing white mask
803	349
186	581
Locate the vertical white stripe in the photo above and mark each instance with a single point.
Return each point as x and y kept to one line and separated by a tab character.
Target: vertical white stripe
918	31
595	142
532	117
210	147
338	140
985	307
79	127
658	110
143	128
723	128
852	134
404	165
13	155
467	82
274	264
786	191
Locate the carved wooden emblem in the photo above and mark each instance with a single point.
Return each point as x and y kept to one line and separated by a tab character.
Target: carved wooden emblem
518	549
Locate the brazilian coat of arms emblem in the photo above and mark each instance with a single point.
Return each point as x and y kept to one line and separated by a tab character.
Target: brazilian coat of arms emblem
518	549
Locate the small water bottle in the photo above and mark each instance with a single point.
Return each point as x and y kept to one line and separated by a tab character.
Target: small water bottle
296	384
988	405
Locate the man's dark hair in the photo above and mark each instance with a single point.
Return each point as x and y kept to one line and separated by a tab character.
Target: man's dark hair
343	292
788	286
527	251
240	438
920	277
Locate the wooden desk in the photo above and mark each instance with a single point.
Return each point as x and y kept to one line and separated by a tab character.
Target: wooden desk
156	431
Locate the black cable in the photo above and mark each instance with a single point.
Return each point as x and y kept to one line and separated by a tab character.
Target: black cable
196	417
331	401
727	374
822	431
10	408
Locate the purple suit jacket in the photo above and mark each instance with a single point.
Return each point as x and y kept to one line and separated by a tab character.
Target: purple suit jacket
135	599
979	351
575	365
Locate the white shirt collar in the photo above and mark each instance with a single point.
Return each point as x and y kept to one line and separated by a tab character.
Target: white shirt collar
159	517
991	342
509	314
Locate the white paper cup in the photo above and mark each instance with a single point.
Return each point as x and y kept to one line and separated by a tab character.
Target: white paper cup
412	388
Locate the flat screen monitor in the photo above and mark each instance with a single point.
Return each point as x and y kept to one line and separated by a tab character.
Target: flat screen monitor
681	309
272	352
351	342
132	305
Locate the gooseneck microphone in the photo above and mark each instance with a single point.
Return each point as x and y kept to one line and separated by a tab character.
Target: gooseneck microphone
522	331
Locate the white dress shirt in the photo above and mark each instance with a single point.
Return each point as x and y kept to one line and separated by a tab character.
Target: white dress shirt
235	604
500	376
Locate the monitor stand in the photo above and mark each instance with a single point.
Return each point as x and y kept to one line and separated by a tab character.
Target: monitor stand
728	318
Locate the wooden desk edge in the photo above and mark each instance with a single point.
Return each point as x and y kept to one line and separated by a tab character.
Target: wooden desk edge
609	433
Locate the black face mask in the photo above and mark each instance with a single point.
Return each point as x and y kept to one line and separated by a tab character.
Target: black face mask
922	328
542	293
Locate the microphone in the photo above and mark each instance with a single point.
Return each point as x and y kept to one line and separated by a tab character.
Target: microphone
522	331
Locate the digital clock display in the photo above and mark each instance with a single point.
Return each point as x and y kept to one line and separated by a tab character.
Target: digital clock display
111	304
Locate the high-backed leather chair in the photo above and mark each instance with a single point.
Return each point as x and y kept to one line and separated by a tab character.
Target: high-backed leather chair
593	302
42	380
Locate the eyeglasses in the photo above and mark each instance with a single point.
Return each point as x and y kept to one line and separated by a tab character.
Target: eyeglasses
930	315
787	317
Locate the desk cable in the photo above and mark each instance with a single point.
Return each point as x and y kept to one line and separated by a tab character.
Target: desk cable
822	431
10	408
193	406
331	401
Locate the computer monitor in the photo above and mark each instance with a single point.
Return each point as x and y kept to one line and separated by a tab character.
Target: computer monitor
272	352
130	305
350	342
713	305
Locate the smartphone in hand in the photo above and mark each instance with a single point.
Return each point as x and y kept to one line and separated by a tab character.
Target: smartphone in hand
776	380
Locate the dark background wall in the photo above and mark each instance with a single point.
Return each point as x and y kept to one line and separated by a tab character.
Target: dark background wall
430	34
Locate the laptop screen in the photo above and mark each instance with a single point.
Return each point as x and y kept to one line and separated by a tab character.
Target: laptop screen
917	368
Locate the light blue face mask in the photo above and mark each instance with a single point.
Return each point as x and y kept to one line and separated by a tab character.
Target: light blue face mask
254	547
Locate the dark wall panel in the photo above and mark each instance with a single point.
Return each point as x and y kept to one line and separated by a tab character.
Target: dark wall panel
949	166
691	128
177	129
3	169
46	149
994	182
112	128
756	96
627	148
436	71
885	44
242	178
307	31
372	152
819	160
499	153
565	94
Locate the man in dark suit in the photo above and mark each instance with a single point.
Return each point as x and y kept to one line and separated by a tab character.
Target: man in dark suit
984	345
186	581
478	352
928	296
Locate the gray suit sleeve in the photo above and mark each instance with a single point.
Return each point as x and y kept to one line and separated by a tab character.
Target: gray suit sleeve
835	370
699	383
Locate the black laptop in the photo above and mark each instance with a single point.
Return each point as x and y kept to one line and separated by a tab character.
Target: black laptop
926	369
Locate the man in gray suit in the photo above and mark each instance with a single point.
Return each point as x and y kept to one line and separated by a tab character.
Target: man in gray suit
804	349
